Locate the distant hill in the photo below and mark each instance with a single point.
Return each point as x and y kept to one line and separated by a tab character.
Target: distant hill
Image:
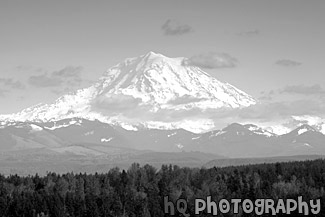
247	161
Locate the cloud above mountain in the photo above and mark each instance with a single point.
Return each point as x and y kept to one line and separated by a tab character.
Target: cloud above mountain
212	60
70	75
287	63
173	28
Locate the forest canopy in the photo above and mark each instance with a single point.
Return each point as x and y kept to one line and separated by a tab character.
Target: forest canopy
140	190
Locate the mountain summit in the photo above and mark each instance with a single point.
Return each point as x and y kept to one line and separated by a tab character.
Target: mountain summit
169	83
139	88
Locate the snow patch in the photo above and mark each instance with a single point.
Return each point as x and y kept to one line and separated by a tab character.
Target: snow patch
218	133
278	129
36	128
322	128
71	122
306	144
57	126
264	133
76	122
301	131
106	140
253	128
89	133
128	127
260	131
173	134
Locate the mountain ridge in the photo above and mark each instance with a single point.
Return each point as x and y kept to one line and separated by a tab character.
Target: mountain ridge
234	140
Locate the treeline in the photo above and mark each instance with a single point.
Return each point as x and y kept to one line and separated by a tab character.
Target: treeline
140	190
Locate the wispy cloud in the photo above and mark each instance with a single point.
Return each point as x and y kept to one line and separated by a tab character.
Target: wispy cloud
2	92
270	111
69	75
11	83
68	72
275	104
303	89
287	63
116	103
212	60
174	27
184	100
44	80
124	106
29	68
265	98
132	109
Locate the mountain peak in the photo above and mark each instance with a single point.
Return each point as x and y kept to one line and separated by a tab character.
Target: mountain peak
152	54
303	129
152	57
159	80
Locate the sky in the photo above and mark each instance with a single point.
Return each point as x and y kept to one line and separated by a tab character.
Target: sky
272	50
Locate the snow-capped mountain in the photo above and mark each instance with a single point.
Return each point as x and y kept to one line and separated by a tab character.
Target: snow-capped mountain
169	83
306	137
316	122
147	86
302	129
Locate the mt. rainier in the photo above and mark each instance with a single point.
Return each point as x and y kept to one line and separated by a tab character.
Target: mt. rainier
169	83
137	89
